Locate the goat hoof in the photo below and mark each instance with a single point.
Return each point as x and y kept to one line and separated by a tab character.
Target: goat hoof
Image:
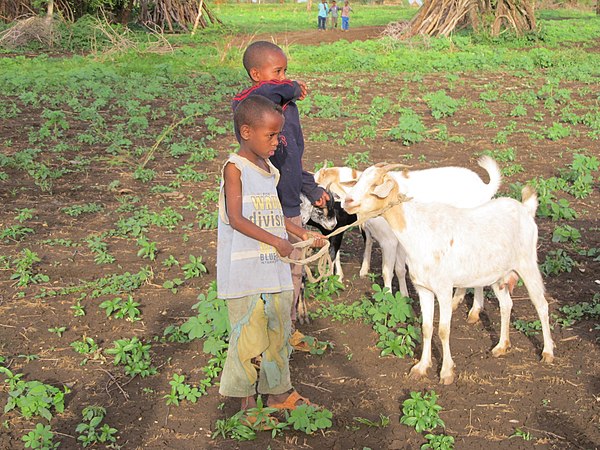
473	318
500	350
363	273
446	380
416	373
547	358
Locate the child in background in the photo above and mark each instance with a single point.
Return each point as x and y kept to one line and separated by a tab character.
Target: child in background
334	14
322	17
266	65
346	16
256	284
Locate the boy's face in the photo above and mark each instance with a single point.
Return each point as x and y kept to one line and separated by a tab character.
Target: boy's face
263	139
273	67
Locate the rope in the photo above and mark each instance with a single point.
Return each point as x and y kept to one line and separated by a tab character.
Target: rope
325	264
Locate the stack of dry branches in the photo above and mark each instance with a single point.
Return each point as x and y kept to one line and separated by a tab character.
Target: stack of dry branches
24	31
171	15
442	17
11	10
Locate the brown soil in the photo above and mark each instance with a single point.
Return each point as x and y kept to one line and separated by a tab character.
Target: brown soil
557	404
315	37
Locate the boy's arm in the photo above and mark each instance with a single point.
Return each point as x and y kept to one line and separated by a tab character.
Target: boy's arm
281	92
315	193
303	234
233	197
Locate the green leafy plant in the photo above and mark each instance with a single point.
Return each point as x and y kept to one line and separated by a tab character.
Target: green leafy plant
15	233
120	309
580	175
410	128
211	323
566	233
144	175
57	330
88	347
422	411
557	262
78	309
558	131
170	261
173	285
88	431
33	398
325	289
194	268
317	347
383	422
355	159
438	442
134	355
147	248
23	266
40	437
181	391
441	104
393	319
77	210
528	328
579	311
525	435
308	418
233	428
100	248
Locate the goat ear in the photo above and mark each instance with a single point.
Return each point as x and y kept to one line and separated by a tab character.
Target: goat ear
383	190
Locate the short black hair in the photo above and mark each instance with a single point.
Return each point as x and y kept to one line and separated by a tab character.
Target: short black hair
251	110
254	54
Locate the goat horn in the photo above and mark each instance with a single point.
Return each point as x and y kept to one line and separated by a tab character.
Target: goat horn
388	167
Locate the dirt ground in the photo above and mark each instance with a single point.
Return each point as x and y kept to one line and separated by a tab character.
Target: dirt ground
557	404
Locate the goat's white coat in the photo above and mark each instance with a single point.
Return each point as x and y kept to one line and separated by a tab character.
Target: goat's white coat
448	246
456	186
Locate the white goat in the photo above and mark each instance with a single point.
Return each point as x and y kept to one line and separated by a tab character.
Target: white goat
455	186
448	246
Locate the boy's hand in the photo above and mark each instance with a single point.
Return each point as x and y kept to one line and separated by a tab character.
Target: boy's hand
320	203
283	247
318	237
303	89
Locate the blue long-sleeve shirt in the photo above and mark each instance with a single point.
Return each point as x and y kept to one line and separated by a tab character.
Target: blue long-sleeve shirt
288	157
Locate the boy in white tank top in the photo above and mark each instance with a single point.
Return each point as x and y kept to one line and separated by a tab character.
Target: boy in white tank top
257	285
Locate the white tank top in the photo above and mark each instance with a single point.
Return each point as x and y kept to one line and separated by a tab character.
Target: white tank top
246	266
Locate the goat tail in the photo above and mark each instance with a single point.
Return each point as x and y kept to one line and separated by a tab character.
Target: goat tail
529	199
491	166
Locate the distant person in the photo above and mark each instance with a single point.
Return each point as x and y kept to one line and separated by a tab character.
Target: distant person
334	11
256	284
322	17
346	16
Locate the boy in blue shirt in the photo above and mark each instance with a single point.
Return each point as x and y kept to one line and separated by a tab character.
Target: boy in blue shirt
266	65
